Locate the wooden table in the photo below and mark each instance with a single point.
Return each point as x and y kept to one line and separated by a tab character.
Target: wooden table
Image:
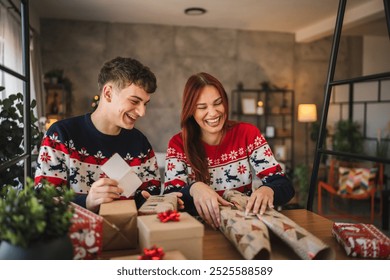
217	247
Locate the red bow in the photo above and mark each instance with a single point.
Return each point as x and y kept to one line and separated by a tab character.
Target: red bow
170	215
153	253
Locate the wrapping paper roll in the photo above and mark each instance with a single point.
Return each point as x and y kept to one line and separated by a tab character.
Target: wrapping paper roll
303	243
248	234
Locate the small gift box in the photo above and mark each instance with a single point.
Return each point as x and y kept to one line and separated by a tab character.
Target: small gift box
157	204
185	235
362	240
170	255
119	225
85	233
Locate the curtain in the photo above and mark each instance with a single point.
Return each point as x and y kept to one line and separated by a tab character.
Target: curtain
11	50
11	57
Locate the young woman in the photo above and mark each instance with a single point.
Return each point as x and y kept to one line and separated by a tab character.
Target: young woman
212	154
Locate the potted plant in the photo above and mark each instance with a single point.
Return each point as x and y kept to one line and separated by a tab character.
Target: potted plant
11	136
34	222
347	138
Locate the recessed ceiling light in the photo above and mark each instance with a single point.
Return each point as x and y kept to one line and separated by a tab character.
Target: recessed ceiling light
195	11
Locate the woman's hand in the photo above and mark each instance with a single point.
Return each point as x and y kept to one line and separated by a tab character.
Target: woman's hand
259	200
207	203
102	191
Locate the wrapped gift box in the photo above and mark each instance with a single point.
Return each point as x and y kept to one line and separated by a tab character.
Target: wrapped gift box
85	233
185	235
119	225
362	240
171	255
158	203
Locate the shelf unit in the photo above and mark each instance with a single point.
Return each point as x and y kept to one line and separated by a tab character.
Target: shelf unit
274	116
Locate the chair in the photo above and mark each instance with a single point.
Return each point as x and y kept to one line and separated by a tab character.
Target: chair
353	181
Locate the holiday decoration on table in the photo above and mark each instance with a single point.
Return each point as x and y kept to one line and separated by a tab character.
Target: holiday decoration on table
170	215
185	235
305	245
86	233
154	253
362	240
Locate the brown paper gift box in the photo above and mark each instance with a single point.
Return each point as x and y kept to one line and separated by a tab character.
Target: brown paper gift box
185	235
119	225
171	255
157	204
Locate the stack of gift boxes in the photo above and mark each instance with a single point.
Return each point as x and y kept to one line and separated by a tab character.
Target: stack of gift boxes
119	226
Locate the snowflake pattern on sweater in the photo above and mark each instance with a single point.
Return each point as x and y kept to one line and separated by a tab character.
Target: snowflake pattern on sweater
73	150
242	150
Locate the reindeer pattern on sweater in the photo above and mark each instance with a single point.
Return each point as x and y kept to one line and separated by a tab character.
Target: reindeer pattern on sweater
230	163
73	150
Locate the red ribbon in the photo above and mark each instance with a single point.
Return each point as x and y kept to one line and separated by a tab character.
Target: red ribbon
153	253
170	215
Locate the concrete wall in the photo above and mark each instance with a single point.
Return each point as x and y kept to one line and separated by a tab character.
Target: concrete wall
174	53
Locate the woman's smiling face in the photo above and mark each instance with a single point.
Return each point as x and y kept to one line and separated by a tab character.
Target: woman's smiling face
210	114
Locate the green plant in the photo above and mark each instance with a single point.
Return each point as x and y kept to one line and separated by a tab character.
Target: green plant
301	179
12	136
347	138
29	215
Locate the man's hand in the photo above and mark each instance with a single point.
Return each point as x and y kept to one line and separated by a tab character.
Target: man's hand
102	191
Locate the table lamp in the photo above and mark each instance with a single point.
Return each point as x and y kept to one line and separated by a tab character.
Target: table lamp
307	113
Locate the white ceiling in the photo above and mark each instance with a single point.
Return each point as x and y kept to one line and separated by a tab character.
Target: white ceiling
307	19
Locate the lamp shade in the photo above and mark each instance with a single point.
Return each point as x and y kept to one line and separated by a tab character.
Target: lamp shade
307	112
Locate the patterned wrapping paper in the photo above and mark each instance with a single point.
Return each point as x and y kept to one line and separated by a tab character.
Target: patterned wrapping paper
306	245
158	203
362	240
85	233
248	234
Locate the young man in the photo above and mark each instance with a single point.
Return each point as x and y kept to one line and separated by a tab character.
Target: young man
73	149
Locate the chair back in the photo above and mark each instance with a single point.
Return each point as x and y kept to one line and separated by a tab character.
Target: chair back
355	177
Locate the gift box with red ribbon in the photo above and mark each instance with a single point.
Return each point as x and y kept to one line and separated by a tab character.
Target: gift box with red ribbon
362	240
157	204
85	233
171	231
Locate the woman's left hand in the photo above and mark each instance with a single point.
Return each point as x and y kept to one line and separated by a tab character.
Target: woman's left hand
259	200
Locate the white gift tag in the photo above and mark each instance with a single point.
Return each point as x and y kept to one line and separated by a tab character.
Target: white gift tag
116	168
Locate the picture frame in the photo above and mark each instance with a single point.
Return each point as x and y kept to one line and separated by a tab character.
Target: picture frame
280	152
248	106
270	131
55	102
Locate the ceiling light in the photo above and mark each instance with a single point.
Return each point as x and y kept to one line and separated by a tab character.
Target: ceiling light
195	11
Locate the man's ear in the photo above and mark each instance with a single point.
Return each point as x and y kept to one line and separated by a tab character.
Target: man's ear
107	92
